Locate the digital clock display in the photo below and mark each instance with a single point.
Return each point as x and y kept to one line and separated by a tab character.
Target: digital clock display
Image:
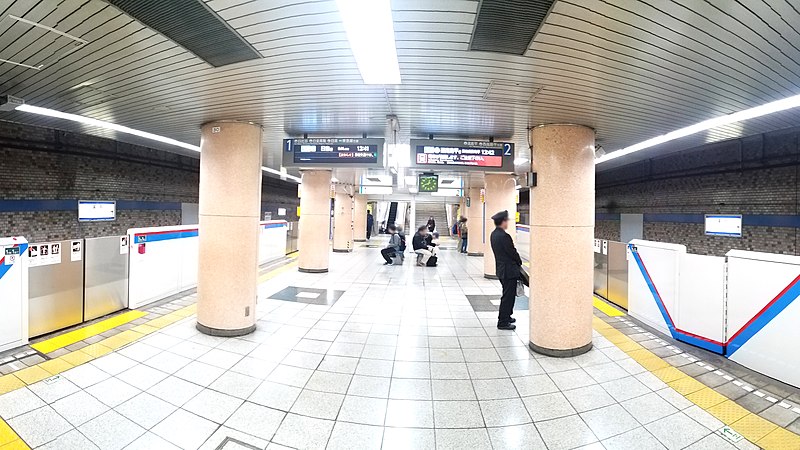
352	152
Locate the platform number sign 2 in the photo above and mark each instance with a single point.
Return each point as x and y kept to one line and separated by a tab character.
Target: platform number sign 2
506	149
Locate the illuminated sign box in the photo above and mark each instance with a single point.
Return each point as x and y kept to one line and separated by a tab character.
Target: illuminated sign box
463	155
724	225
333	152
96	211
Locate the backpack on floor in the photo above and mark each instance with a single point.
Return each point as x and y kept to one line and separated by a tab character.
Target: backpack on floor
432	261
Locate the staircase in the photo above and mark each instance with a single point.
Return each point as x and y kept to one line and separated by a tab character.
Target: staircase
439	213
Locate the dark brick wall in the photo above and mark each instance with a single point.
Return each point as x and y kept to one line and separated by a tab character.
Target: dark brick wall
606	229
45	164
757	175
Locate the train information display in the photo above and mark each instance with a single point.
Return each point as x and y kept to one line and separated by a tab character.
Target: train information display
467	155
333	152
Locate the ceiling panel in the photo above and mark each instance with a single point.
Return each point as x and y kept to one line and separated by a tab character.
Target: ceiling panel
632	70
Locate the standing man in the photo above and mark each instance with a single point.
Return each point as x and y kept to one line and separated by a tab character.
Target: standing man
370	223
507	268
463	232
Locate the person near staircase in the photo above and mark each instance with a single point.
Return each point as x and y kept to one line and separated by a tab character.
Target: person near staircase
462	234
423	246
394	247
431	224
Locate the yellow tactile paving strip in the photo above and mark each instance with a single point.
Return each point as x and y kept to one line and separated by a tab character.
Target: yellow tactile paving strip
282	269
760	431
754	428
609	310
9	439
88	331
52	367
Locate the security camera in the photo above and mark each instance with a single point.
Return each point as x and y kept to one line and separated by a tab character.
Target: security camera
599	151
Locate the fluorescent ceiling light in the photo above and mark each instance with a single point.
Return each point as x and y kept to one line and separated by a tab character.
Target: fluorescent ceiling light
369	28
282	173
752	113
123	129
107	125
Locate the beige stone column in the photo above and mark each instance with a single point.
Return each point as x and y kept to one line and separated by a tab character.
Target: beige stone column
501	194
360	217
475	223
343	222
562	233
315	221
230	205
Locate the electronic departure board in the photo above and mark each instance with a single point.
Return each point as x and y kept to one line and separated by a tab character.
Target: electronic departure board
333	152
464	155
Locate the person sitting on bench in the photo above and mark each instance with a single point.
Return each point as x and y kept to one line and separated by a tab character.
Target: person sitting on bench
423	245
393	249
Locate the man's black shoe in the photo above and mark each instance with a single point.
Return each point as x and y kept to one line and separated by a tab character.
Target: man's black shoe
506	326
512	320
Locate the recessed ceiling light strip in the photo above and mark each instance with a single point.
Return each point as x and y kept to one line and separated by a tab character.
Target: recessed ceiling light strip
370	31
747	114
123	129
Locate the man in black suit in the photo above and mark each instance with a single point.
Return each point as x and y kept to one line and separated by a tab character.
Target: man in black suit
507	268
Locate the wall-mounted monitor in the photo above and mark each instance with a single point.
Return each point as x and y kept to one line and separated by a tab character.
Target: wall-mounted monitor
724	225
333	152
428	183
96	211
462	155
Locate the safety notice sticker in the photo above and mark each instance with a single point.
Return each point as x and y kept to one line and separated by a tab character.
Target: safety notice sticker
123	245
76	252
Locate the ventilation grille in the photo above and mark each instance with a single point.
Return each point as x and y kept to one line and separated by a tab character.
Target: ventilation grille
511	92
508	26
194	26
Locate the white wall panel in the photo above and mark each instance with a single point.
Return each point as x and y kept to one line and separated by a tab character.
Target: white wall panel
170	259
13	293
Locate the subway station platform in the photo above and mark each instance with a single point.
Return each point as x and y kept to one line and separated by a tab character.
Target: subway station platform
393	357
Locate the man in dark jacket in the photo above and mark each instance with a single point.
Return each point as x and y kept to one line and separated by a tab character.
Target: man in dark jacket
507	268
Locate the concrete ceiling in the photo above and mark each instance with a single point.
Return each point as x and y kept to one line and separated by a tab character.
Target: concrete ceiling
630	69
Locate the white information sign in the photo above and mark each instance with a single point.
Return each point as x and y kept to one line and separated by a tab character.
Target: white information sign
724	225
76	252
93	210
